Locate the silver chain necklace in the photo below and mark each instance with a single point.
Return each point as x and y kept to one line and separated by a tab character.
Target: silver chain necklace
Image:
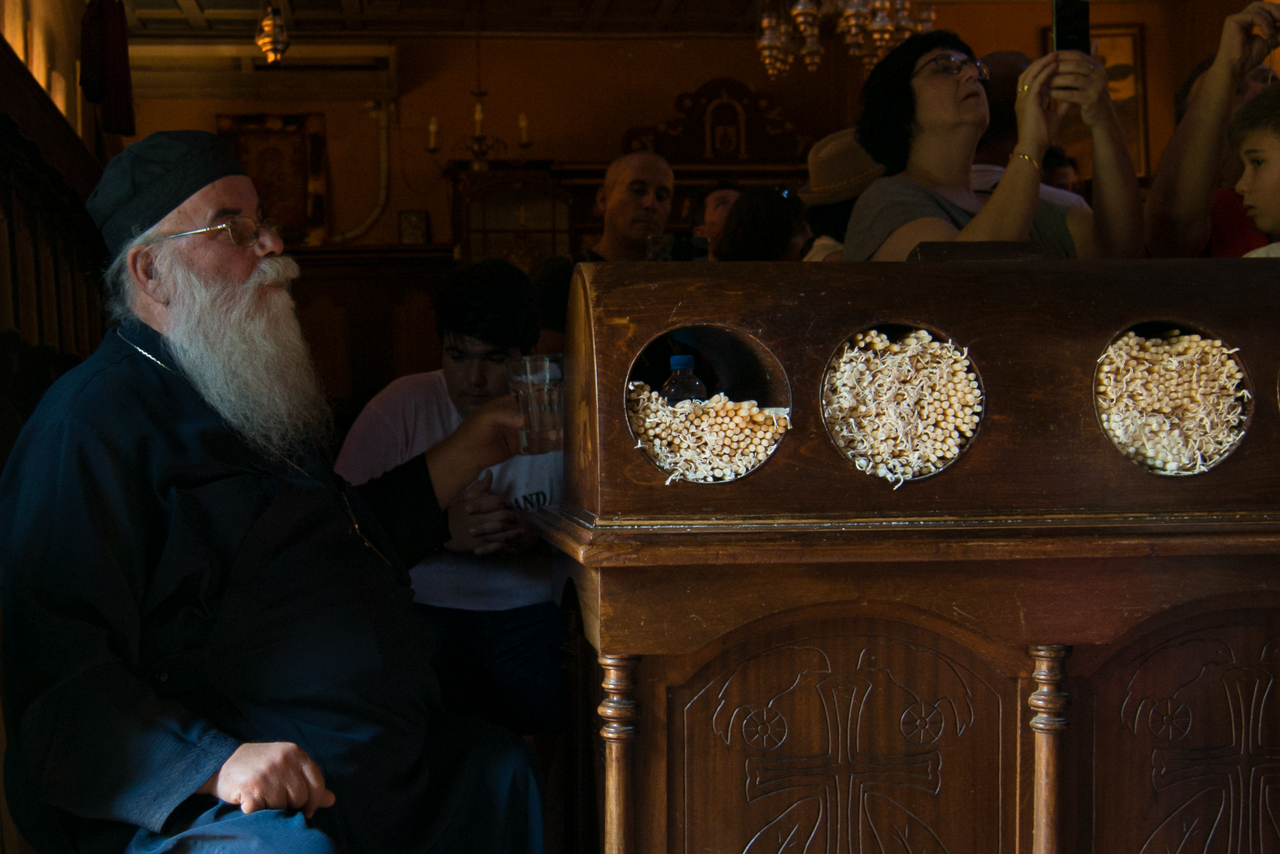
145	353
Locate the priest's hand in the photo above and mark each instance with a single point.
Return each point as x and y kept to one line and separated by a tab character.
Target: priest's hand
481	521
274	776
485	438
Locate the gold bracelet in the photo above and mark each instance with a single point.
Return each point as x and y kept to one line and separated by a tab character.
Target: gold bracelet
1026	157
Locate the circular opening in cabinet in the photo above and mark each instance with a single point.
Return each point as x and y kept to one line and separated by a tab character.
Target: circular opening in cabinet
717	433
901	401
1172	398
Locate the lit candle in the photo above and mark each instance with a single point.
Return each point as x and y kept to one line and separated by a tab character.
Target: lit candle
479	120
432	129
523	121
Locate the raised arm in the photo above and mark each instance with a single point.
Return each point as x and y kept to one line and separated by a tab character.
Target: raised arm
1007	215
1177	213
486	437
1114	227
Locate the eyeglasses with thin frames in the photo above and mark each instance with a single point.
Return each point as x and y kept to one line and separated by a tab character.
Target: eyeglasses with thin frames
949	64
241	230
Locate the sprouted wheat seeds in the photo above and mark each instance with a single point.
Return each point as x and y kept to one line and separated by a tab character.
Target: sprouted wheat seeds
901	410
705	441
1174	404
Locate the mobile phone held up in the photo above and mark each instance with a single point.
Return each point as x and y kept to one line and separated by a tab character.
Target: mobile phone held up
1071	26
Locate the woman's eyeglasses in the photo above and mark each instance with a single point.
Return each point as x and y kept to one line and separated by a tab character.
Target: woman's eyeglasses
949	64
242	230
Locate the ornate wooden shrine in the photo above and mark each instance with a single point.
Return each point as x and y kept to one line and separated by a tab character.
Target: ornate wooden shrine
1043	648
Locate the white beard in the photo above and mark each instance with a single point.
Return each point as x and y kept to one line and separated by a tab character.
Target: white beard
243	350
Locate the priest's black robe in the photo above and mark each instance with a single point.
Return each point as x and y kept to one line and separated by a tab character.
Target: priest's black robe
169	593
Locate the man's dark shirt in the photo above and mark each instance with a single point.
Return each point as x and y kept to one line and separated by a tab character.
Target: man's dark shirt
552	286
169	593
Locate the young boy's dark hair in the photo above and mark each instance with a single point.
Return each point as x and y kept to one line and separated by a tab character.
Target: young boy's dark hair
493	302
1261	113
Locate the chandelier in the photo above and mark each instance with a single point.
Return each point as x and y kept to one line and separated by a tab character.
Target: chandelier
871	28
480	146
272	38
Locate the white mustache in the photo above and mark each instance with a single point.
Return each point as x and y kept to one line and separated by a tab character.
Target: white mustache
276	270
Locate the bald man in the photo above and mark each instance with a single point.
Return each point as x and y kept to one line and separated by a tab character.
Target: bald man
635	202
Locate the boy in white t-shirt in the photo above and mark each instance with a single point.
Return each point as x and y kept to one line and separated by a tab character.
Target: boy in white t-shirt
492	597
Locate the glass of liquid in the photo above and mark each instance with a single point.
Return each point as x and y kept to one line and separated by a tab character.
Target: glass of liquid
538	384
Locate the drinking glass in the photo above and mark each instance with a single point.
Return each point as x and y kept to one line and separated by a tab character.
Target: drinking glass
538	384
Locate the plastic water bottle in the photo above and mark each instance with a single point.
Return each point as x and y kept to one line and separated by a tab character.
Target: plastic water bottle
683	384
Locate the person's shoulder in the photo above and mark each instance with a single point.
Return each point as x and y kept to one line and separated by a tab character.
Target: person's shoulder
111	381
891	187
896	191
115	406
1271	250
899	194
414	386
408	400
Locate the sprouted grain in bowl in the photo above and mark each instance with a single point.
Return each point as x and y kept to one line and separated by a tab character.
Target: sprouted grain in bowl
1173	404
901	409
704	441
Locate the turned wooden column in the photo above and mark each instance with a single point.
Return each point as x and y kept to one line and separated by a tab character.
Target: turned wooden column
1047	702
618	711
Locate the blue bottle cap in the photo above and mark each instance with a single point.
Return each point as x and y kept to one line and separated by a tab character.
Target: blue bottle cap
678	362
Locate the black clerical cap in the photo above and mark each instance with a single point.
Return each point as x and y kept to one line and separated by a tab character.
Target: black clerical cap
142	184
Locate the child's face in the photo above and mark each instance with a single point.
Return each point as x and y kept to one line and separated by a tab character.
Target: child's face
1260	184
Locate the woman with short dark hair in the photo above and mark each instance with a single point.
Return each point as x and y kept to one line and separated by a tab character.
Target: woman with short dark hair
924	110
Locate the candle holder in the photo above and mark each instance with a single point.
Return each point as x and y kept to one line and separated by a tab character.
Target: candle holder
479	145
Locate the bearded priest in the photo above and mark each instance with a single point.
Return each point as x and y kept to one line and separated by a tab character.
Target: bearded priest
209	641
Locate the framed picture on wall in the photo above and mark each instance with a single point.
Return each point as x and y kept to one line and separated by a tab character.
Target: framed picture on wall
1120	48
285	157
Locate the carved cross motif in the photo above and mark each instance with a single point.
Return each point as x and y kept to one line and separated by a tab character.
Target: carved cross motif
842	774
1243	770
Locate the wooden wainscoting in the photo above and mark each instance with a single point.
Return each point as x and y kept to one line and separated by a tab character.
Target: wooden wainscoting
367	315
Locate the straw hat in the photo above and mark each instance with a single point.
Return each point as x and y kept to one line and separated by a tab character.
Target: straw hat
839	169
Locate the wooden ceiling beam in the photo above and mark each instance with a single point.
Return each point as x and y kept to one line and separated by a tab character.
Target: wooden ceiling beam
194	14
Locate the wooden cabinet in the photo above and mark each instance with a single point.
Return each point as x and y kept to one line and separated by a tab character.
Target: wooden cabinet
1042	648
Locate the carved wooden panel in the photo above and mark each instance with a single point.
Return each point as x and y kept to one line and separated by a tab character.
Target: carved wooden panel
841	737
1187	741
723	121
